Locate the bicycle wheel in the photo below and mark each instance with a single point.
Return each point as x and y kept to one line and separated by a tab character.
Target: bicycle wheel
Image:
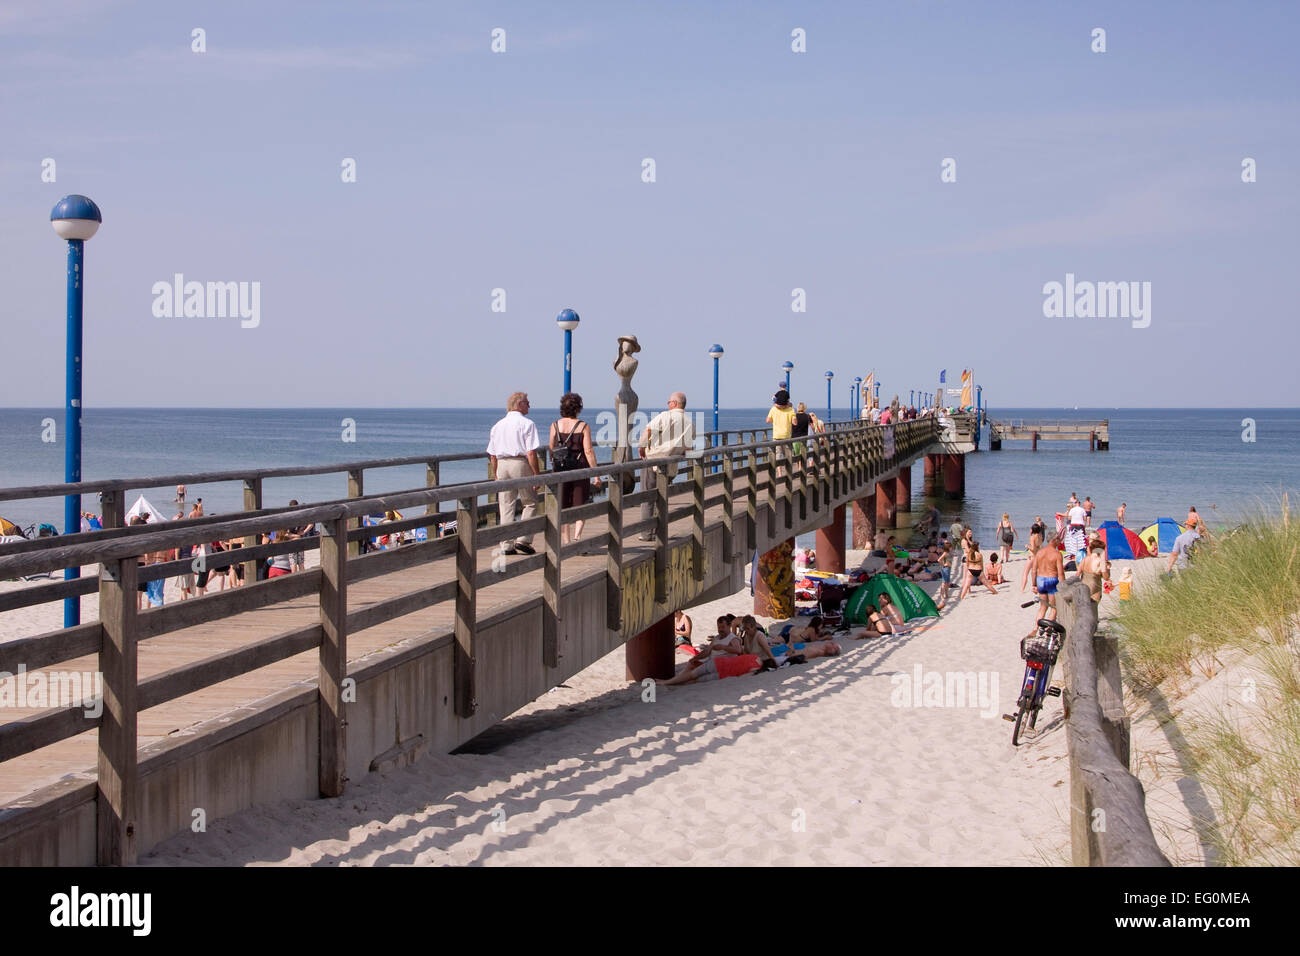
1015	733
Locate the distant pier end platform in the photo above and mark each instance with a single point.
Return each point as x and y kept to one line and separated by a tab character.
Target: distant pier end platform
1096	434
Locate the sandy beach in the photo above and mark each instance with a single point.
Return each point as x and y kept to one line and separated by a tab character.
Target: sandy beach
822	763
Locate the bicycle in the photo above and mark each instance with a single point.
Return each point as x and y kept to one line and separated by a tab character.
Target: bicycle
1039	651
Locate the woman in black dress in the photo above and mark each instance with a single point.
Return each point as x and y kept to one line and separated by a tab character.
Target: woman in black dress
572	435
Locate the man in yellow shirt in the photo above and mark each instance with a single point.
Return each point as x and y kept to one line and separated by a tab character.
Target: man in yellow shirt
781	418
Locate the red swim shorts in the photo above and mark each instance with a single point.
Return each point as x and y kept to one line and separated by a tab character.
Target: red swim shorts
735	666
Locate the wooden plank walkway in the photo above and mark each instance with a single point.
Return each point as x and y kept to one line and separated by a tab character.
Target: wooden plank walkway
23	774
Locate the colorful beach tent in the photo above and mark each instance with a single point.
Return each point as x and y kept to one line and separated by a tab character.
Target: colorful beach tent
910	600
1121	542
1160	536
142	507
7	527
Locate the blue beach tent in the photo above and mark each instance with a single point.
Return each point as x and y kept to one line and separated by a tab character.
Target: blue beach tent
1162	532
1122	542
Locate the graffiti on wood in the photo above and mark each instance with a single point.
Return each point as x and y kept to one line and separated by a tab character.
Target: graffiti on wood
640	609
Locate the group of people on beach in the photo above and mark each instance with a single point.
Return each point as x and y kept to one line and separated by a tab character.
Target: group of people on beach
742	646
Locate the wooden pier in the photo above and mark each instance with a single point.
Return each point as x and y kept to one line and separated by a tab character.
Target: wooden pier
289	687
1096	434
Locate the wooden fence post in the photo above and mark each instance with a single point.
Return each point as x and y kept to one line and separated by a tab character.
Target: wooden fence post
466	607
751	501
432	476
114	509
771	493
493	514
252	502
551	578
333	657
614	557
117	776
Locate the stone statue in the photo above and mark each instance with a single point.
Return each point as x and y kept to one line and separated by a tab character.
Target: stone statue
625	404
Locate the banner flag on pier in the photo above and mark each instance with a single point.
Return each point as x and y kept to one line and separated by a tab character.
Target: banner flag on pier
967	392
868	389
943	376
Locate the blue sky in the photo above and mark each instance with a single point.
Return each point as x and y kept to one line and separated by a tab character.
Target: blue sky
775	170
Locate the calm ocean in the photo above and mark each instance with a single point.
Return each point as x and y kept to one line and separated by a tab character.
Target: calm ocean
1160	460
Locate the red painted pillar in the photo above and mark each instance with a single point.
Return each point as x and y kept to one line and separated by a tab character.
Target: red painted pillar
904	488
830	544
650	653
774	585
887	503
954	476
864	522
930	478
1034	447
1092	441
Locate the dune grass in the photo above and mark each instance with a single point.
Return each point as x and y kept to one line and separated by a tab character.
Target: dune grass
1242	592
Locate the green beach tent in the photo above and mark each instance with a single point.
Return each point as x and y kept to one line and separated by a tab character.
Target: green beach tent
910	600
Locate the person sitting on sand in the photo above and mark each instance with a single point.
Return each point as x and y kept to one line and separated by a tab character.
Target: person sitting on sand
706	665
815	631
890	610
682	627
877	623
752	642
994	574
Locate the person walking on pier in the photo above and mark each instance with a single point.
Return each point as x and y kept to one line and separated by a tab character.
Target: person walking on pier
669	434
781	417
512	452
571	449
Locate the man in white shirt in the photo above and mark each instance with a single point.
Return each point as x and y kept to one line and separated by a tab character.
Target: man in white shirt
669	434
512	450
1076	534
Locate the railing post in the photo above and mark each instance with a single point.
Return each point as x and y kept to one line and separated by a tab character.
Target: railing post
493	515
113	505
751	501
728	509
432	477
356	488
771	493
252	502
117	776
661	534
466	607
697	519
614	557
805	459
551	578
333	657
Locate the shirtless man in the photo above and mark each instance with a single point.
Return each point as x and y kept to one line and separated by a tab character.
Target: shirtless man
1048	572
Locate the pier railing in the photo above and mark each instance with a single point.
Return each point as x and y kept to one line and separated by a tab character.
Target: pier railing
762	499
1108	817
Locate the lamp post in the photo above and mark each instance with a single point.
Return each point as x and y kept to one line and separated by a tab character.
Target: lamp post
785	367
876	396
857	396
76	219
829	375
715	353
911	397
568	320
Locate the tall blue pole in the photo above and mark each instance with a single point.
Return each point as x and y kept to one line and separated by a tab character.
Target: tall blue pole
568	361
715	400
72	419
828	395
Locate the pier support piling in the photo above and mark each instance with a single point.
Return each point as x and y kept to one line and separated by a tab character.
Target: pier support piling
830	544
954	476
903	488
887	503
930	475
864	522
650	653
774	585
